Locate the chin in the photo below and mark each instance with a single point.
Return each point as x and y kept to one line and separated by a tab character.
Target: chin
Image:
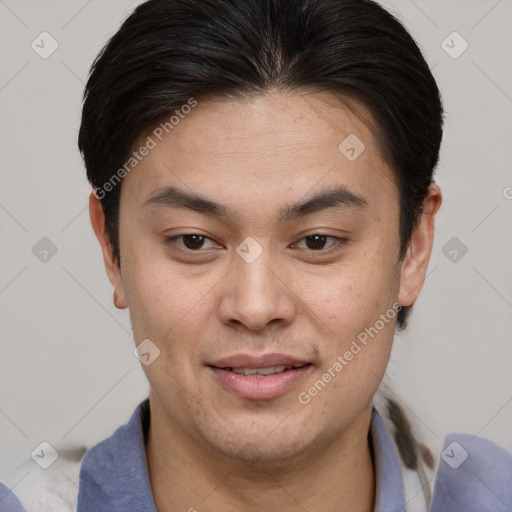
259	444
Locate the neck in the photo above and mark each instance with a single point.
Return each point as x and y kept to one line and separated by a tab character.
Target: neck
336	475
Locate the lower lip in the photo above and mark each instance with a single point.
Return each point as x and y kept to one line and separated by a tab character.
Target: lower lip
260	388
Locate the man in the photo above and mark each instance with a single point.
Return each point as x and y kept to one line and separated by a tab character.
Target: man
265	204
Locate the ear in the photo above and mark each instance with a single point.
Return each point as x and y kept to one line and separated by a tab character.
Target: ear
415	263
111	265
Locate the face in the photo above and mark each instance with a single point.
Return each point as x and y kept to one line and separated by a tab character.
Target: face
256	235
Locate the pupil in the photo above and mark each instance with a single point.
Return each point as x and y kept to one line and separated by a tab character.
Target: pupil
196	243
318	241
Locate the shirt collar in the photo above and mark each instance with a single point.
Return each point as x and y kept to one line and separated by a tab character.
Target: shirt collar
114	474
388	473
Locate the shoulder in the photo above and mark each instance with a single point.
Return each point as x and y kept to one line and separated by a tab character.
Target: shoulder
9	502
474	474
465	473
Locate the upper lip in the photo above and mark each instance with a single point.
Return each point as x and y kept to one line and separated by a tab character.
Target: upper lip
261	361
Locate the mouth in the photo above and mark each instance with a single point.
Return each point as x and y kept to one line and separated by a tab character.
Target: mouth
265	372
259	378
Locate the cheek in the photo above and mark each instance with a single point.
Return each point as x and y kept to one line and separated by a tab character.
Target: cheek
170	311
347	307
161	302
353	294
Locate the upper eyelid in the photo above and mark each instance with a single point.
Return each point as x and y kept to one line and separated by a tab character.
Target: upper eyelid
177	237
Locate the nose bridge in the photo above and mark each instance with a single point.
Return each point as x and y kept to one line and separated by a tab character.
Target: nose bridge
257	294
256	276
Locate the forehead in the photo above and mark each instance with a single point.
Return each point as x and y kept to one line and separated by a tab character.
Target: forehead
276	141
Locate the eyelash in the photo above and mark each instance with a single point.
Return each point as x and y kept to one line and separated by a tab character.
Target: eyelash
338	242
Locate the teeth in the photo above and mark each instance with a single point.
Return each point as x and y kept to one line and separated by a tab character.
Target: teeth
261	371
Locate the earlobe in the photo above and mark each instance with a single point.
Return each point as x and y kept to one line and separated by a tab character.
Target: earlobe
416	260
97	217
409	278
119	303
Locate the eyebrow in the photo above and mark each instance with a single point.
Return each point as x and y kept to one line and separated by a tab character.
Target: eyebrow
339	197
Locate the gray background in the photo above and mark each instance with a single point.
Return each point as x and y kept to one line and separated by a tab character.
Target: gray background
67	372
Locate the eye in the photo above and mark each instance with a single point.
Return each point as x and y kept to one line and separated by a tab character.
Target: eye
194	242
317	241
191	241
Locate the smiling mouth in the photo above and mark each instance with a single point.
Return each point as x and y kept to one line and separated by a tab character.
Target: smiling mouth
265	372
257	380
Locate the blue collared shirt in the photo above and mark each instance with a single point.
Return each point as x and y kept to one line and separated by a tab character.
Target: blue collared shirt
474	474
114	474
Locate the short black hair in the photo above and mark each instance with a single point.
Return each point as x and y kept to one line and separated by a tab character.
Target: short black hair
169	51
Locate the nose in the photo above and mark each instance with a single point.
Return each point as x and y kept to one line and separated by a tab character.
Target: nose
256	294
